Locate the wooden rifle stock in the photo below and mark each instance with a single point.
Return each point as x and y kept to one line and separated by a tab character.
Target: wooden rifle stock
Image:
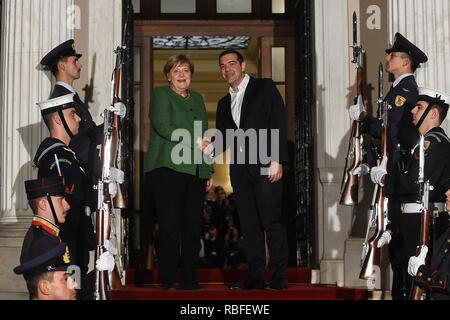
417	291
105	281
349	194
373	255
119	200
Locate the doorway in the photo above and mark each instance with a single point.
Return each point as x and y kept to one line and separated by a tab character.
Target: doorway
269	53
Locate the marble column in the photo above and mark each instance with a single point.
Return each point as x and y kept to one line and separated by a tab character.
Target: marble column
334	93
30	29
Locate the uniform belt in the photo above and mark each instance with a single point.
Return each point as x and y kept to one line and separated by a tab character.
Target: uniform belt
417	207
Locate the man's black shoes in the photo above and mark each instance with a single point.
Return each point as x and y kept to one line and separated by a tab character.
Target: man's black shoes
249	284
277	284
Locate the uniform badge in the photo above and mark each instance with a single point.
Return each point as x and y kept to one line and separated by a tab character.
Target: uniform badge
400	101
66	256
427	144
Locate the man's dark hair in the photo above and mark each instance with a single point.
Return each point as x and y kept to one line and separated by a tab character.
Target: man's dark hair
34	204
33	283
239	56
54	66
48	120
441	111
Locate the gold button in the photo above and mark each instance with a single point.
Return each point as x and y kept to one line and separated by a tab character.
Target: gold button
429	279
419	274
440	282
446	250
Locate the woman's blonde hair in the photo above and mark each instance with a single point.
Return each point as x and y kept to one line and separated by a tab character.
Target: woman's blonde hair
176	60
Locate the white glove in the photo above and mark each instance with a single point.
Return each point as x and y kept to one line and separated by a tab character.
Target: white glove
120	109
361	170
415	262
384	239
355	110
377	173
110	247
105	262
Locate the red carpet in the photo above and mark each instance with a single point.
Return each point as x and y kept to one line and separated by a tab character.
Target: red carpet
142	285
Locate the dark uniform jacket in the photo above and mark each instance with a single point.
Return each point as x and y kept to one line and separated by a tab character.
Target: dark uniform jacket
435	278
89	134
41	234
402	135
77	231
403	183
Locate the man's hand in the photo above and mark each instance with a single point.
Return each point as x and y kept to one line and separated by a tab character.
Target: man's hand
384	239
415	262
361	170
209	184
377	173
110	247
205	145
447	200
357	111
120	109
275	171
105	262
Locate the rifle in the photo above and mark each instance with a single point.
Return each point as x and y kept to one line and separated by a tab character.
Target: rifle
110	194
349	191
378	217
424	190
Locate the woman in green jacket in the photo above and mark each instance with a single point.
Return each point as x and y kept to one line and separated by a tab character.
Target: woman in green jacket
178	174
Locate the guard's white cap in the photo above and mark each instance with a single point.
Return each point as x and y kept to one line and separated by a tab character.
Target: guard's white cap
55	104
434	94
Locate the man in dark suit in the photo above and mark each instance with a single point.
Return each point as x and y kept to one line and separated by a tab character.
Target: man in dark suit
252	121
63	62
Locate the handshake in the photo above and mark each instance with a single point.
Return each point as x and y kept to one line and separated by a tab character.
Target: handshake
205	145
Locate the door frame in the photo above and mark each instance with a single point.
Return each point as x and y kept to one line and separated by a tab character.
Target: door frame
271	32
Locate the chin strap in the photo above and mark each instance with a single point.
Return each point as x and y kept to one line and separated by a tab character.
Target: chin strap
53	210
424	115
63	120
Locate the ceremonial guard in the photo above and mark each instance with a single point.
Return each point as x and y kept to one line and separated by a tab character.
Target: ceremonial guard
435	277
54	157
402	182
401	61
44	258
63	62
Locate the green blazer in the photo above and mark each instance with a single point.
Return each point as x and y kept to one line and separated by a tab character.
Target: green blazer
175	124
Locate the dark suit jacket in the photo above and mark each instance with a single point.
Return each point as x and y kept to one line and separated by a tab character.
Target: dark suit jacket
89	134
262	108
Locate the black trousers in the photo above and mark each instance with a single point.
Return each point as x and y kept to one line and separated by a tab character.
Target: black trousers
178	200
404	245
259	204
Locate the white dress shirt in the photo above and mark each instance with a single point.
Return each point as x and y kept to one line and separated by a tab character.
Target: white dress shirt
67	86
403	76
237	98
